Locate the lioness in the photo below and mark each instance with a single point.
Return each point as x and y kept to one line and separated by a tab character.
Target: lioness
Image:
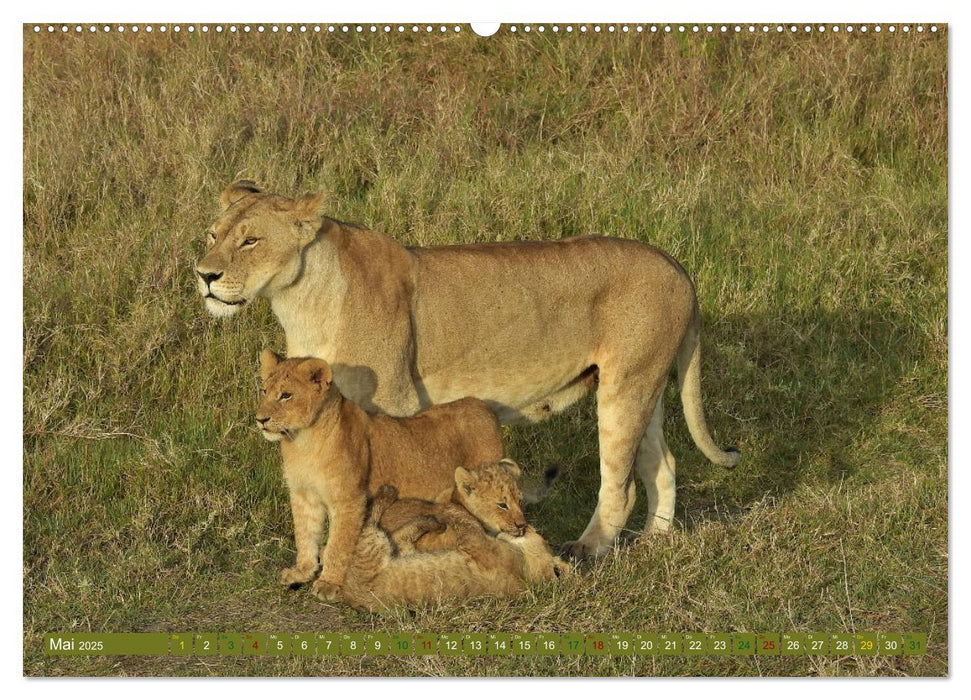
528	327
385	572
334	453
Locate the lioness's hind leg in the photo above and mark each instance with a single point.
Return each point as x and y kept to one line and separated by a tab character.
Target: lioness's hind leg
624	408
656	467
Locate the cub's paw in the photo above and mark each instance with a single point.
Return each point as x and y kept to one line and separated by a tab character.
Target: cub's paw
325	590
294	576
386	495
425	524
561	568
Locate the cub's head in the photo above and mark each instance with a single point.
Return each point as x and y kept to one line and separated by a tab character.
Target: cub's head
294	394
491	493
255	247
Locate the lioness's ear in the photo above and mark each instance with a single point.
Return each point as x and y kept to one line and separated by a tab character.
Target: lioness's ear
464	479
511	467
268	362
236	191
310	207
319	373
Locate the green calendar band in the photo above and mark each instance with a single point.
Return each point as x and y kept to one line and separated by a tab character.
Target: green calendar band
525	644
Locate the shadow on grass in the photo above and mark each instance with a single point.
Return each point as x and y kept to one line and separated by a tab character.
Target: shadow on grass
803	395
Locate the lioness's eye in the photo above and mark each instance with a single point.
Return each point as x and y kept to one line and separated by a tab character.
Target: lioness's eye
285	395
250	241
503	506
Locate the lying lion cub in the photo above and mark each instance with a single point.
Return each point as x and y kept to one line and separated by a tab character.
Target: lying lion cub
487	496
334	454
387	571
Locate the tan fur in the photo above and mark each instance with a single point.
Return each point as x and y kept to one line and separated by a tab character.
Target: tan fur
528	327
486	499
335	454
386	571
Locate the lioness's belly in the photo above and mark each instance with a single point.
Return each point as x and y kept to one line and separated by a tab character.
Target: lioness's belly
504	385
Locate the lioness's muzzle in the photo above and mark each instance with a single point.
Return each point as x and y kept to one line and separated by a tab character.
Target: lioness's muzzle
209	277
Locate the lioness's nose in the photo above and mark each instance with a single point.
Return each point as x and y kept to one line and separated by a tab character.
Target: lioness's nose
209	277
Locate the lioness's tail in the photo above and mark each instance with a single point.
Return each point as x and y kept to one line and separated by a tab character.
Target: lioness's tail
689	382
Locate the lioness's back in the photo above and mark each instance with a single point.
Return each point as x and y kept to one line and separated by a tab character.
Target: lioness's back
566	263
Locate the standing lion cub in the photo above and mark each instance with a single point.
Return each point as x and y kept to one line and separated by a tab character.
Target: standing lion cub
335	454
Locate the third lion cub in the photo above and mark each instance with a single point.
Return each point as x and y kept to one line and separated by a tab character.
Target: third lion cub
489	492
395	568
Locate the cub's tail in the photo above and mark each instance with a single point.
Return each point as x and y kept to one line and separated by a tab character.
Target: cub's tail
689	383
534	493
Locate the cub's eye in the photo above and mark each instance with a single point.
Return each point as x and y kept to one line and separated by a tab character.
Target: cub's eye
285	396
210	237
503	506
249	242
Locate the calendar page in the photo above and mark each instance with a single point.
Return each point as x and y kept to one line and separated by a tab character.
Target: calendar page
524	349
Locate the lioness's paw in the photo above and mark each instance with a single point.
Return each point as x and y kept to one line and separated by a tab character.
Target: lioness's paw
581	550
657	525
295	576
325	590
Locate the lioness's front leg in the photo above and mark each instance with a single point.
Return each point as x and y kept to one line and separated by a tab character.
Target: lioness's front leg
399	396
346	523
309	513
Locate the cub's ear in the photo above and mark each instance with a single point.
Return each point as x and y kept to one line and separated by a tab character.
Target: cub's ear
268	362
318	373
465	480
511	467
236	191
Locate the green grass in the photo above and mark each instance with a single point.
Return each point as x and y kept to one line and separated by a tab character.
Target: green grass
802	181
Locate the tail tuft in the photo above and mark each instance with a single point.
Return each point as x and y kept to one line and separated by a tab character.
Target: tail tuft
736	457
535	494
551	474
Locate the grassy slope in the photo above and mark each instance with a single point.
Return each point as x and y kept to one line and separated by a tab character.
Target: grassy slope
801	180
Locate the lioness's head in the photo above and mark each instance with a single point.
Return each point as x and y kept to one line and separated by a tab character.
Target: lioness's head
255	246
295	392
491	493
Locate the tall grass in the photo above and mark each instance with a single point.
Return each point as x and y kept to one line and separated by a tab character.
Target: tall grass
801	180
